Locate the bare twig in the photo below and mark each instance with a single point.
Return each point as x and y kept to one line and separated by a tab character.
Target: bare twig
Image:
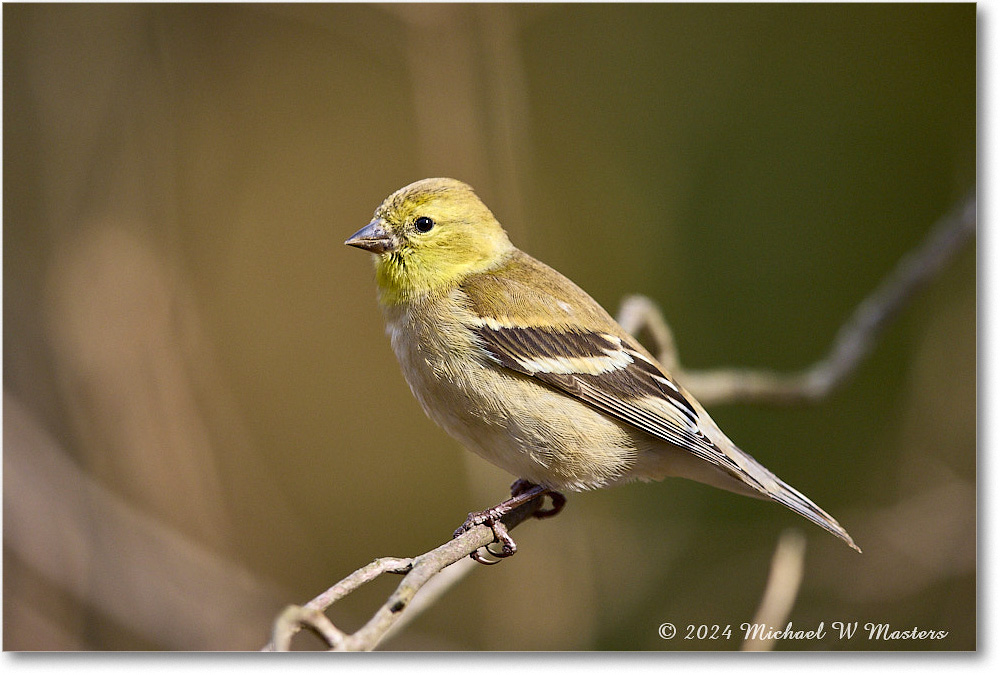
853	342
417	572
780	592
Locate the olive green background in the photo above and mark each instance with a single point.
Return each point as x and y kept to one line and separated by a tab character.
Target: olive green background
203	420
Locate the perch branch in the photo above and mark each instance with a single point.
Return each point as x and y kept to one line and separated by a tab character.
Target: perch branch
853	342
416	573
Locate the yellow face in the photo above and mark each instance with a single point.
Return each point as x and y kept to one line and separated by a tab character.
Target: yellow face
427	236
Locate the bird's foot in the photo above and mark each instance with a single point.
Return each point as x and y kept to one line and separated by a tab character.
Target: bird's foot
521	492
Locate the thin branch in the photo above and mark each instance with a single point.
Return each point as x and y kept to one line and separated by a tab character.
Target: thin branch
417	573
431	592
853	342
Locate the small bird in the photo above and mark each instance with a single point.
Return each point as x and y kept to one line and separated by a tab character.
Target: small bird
528	371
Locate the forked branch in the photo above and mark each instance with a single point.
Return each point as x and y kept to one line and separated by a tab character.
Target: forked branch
417	573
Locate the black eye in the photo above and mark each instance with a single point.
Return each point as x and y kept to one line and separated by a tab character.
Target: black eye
423	224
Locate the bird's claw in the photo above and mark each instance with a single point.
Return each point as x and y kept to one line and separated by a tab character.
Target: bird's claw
521	492
502	537
490	518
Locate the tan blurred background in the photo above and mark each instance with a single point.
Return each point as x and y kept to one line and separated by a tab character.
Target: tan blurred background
203	421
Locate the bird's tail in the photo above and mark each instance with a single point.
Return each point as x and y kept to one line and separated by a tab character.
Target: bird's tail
802	505
769	485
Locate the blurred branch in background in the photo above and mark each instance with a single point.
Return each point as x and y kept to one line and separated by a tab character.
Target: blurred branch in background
782	588
853	342
127	565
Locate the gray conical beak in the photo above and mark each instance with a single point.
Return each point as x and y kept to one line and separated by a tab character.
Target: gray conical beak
373	237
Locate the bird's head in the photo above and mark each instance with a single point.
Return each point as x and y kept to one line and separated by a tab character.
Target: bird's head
429	235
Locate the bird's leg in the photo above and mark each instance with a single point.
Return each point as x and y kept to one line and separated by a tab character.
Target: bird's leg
521	492
558	498
521	486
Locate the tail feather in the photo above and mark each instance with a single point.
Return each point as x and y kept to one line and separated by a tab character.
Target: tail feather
754	474
802	505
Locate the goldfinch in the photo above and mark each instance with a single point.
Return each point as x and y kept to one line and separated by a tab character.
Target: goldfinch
528	371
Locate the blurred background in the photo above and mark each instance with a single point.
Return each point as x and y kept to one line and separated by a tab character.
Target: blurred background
204	422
